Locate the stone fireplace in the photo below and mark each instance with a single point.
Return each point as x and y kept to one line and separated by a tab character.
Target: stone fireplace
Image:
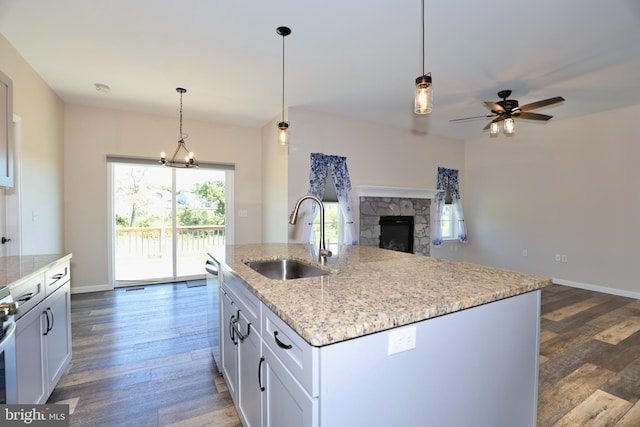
386	202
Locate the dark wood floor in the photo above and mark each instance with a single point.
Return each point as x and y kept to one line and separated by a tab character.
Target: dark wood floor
141	358
589	359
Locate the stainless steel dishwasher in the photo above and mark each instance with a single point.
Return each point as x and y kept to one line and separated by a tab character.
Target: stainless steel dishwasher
213	310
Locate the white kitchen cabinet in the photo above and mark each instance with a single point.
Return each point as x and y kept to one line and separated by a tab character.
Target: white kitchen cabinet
265	390
58	339
249	393
228	351
240	356
43	339
285	402
29	364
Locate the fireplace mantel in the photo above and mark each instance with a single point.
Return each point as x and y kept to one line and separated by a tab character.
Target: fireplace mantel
381	191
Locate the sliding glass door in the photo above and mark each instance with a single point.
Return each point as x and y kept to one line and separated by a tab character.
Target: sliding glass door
165	220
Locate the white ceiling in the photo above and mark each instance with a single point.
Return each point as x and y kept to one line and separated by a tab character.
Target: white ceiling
355	58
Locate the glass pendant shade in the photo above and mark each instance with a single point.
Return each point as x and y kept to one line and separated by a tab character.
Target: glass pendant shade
494	128
283	134
509	126
424	95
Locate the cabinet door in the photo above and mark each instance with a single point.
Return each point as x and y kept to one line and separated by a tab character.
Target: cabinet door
29	358
285	402
249	395
58	337
6	131
228	344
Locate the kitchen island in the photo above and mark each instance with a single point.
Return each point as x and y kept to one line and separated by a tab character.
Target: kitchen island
385	338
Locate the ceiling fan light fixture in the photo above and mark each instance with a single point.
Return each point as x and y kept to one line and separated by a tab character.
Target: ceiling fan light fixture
509	126
506	109
494	128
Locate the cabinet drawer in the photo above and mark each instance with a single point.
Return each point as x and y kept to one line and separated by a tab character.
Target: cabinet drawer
298	356
241	297
57	276
28	292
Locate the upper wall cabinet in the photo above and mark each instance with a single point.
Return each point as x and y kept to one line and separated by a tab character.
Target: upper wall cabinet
6	131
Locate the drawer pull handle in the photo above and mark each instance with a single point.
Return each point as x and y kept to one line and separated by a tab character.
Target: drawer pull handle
236	326
238	332
232	330
46	314
260	374
280	343
26	297
52	319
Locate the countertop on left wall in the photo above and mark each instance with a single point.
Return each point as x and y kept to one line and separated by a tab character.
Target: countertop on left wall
14	268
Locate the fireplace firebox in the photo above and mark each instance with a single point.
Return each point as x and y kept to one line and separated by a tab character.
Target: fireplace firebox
396	233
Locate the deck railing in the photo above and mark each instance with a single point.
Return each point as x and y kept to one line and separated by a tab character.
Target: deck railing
154	242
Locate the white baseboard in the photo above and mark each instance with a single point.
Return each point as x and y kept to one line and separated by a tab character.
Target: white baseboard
94	288
596	288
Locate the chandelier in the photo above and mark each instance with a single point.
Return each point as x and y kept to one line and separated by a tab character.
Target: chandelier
177	160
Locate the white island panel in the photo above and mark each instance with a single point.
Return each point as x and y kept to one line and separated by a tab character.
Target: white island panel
475	367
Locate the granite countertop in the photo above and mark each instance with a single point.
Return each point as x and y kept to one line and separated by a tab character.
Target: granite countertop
13	268
370	289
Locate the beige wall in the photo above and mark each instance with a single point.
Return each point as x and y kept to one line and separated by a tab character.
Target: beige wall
92	133
566	187
41	159
274	185
376	155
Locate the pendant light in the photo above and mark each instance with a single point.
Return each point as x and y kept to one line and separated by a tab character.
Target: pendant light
176	161
283	127
424	87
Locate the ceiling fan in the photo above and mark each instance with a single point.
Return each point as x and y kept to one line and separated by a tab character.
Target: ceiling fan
508	109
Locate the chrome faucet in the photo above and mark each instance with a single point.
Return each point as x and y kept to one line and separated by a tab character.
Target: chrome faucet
323	252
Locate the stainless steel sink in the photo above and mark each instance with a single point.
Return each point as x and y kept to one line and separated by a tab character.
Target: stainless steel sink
286	269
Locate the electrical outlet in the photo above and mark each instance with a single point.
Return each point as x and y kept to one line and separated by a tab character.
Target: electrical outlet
401	339
525	252
558	257
564	258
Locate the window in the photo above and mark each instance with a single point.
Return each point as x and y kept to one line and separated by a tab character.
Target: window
449	223
332	225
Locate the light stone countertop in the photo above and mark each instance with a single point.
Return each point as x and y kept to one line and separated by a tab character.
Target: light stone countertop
13	268
370	289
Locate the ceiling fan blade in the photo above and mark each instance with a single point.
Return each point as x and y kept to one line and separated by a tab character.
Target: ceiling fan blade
531	116
474	117
540	104
497	108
